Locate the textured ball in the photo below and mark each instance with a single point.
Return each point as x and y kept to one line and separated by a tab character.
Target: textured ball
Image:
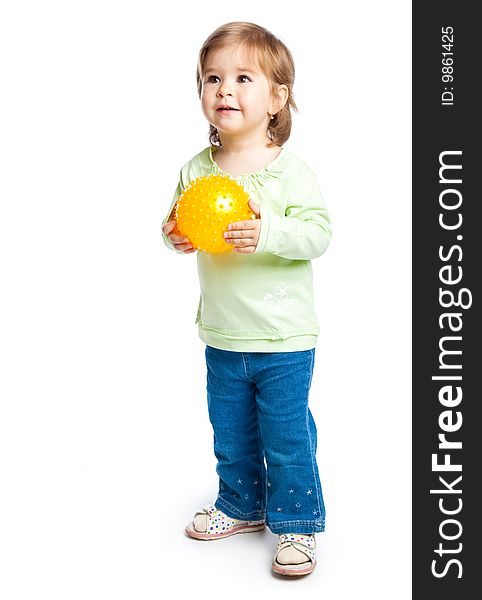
205	209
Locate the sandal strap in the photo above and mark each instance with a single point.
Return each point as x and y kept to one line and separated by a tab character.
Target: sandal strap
210	510
305	544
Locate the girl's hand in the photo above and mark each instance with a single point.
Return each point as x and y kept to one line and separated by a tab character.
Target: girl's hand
179	242
245	234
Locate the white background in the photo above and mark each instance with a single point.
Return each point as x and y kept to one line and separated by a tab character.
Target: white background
105	442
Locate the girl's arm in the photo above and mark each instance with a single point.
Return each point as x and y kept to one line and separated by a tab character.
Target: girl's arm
305	230
170	217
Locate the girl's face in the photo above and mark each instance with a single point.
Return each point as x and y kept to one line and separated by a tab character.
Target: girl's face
230	80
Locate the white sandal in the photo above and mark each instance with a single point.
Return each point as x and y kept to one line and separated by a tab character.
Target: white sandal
295	554
212	524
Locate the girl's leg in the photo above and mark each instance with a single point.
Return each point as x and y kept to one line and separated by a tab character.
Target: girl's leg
288	434
233	415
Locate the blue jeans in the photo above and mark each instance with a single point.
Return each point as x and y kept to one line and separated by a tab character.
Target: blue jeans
265	438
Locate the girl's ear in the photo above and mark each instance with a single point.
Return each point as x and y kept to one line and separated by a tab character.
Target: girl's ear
280	97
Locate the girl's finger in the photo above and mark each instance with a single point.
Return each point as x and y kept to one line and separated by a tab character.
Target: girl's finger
179	239
168	227
243	225
245	249
183	247
237	235
248	241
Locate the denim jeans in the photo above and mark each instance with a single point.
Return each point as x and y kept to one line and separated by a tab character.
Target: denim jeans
265	438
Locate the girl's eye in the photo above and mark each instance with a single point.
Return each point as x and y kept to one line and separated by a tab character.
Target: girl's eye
211	78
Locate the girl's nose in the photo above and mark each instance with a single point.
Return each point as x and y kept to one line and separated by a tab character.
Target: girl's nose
224	90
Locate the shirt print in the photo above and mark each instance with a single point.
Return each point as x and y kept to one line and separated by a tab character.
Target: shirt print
282	295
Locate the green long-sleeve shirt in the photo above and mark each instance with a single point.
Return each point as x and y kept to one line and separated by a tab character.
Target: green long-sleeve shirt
263	302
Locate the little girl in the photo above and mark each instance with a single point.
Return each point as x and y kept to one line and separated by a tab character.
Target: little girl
256	313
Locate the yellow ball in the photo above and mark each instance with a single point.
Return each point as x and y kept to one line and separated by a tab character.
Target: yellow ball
205	209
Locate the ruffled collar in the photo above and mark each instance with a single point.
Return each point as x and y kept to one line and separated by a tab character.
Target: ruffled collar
254	179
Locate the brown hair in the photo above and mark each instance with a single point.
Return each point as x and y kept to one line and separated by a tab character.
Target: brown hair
273	58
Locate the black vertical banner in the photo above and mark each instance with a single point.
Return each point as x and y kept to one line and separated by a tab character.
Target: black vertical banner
447	266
